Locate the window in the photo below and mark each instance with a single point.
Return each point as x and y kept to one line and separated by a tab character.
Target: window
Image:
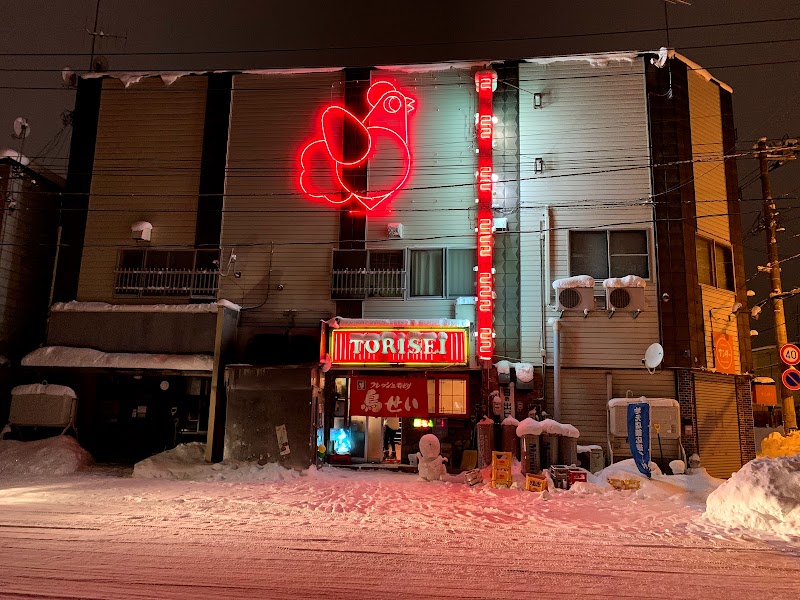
386	273
439	272
447	396
609	253
714	264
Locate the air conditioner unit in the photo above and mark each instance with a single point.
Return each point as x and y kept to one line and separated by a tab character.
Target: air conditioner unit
624	297
665	417
575	299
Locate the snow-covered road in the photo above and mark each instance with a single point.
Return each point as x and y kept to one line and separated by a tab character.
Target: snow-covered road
341	534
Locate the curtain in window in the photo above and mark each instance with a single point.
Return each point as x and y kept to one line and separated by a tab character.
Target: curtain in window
426	272
460	273
589	253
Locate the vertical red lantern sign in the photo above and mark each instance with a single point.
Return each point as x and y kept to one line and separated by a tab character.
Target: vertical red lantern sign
485	84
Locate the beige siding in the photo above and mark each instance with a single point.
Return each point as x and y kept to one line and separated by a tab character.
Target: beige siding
584	399
717	424
436	207
149	143
592	134
717	305
280	237
709	174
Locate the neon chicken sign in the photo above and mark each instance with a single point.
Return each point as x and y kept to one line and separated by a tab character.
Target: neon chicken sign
327	162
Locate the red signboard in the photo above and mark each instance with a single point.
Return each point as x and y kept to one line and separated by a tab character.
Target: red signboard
411	346
790	354
325	167
389	396
485	84
723	354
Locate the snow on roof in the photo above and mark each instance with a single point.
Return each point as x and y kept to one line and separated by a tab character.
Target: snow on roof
345	322
596	60
523	371
650	401
66	356
47	389
763	380
631	281
510	421
14	155
128	78
578	281
693	66
437	67
75	306
529	427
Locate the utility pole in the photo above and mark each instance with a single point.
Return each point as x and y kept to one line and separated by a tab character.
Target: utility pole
781	154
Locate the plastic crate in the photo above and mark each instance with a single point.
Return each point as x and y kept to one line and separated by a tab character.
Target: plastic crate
624	484
535	483
576	475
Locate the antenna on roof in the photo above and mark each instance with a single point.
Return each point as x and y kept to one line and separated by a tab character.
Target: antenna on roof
100	63
666	15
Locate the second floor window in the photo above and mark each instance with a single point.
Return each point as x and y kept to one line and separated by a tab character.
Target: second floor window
442	273
714	264
609	253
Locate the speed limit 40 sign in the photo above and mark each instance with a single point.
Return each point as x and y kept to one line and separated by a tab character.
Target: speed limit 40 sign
790	354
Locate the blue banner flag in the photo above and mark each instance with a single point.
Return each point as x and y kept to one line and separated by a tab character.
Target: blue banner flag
639	435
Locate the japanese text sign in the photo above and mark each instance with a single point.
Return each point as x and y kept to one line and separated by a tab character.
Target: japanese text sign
415	347
389	396
639	435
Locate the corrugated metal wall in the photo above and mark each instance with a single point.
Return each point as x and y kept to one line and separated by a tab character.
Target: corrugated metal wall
592	134
717	424
280	237
709	175
436	206
147	163
717	305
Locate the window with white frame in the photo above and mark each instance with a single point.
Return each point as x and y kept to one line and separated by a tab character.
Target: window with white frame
447	396
609	253
441	272
714	264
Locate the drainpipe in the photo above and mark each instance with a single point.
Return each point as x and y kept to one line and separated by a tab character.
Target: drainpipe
556	370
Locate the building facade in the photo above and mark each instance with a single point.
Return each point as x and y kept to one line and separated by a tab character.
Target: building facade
431	208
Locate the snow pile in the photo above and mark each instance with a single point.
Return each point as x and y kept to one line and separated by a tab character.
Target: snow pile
75	306
661	402
579	281
60	455
503	367
485	421
35	389
67	356
187	462
678	467
764	494
776	445
629	281
529	427
524	371
555	428
764	380
510	421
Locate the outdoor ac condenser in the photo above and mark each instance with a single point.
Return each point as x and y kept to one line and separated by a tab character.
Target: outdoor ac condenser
625	298
664	412
575	298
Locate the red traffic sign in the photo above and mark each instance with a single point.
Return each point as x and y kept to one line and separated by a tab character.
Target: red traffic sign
791	379
790	354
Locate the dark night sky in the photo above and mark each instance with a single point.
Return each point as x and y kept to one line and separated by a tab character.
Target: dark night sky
765	96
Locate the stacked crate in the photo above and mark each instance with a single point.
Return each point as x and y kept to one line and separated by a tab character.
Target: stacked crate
501	469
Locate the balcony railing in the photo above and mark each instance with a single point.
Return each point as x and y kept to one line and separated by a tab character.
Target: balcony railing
167	282
353	284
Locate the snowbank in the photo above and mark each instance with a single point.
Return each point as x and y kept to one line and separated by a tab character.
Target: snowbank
631	281
503	367
555	428
187	461
529	427
776	445
764	494
693	488
579	281
60	455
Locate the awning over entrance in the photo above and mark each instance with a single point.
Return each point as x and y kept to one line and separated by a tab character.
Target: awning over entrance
67	356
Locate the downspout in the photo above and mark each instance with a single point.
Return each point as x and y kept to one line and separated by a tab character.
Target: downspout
543	299
556	370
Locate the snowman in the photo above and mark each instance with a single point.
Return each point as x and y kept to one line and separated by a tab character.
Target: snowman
429	462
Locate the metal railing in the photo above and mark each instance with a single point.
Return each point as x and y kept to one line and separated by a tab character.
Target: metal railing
166	282
367	283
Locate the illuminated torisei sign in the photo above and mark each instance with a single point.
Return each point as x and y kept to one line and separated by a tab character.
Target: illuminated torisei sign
327	162
437	346
485	84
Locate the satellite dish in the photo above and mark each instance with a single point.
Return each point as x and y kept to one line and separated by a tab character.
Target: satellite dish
21	128
69	77
653	357
100	64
